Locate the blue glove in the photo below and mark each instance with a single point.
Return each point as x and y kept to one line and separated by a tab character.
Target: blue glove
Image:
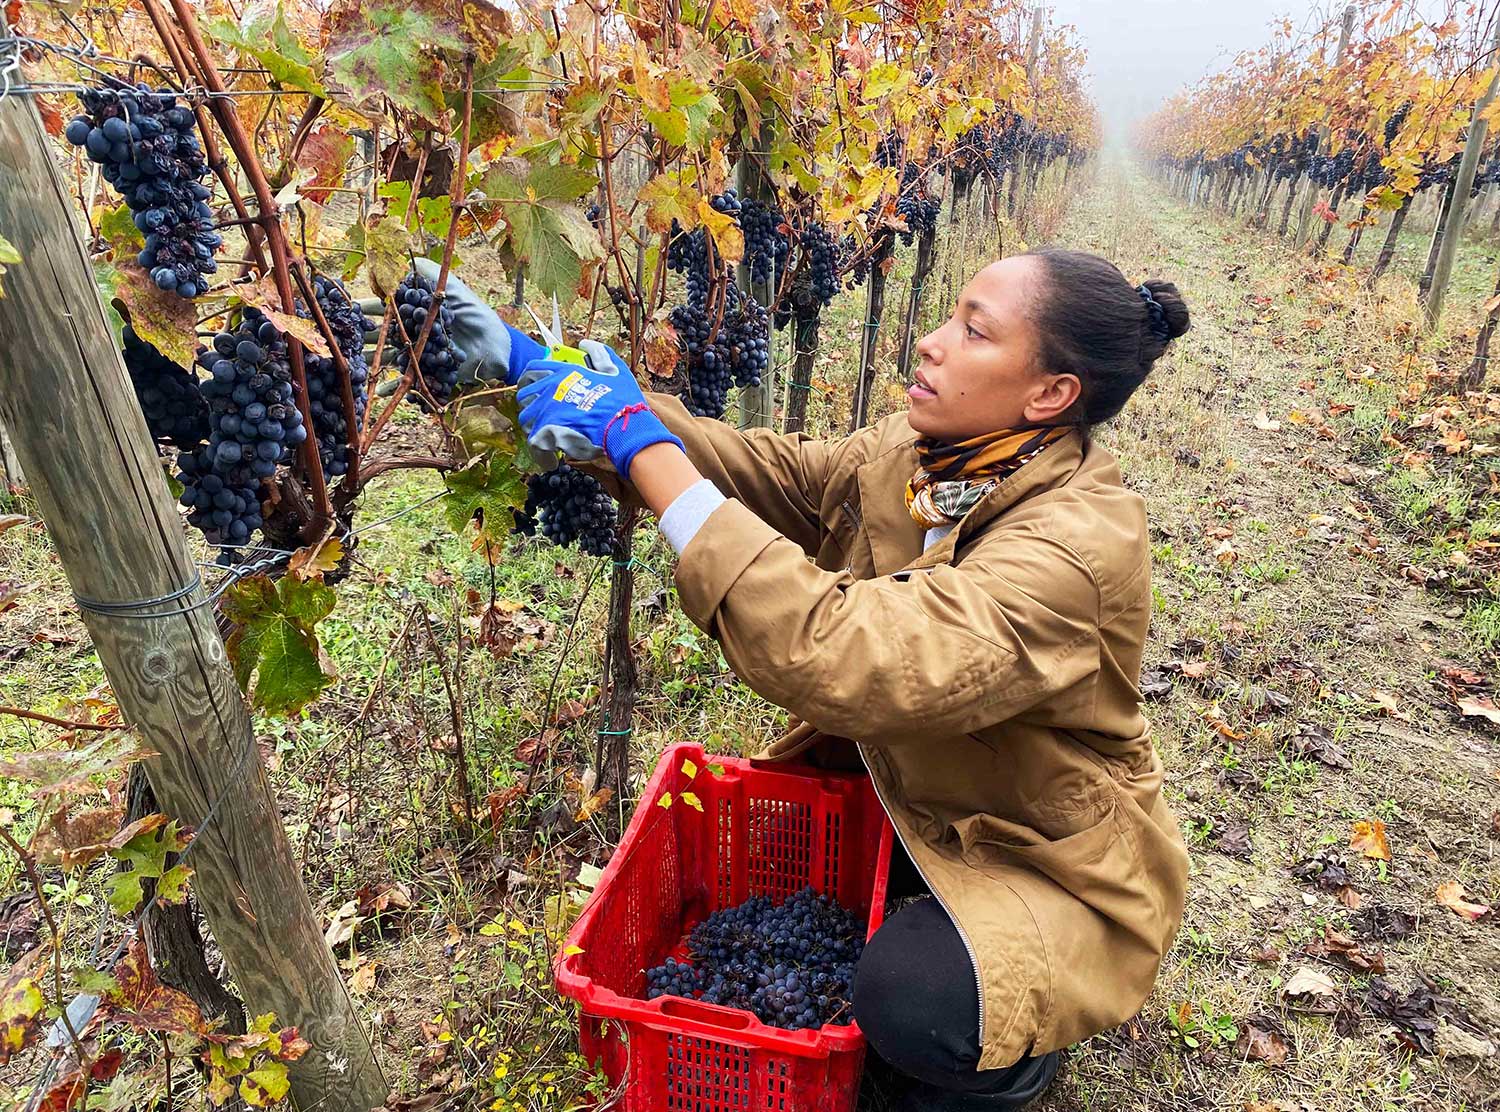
582	412
492	349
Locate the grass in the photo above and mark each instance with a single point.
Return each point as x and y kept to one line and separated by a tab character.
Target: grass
1317	599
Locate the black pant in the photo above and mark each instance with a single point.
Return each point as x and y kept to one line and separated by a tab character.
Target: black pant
915	994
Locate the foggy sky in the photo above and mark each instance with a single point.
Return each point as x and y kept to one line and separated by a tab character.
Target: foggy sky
1142	51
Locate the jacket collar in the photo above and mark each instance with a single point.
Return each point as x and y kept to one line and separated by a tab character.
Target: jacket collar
896	540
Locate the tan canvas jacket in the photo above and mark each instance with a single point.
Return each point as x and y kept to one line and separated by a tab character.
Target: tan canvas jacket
991	683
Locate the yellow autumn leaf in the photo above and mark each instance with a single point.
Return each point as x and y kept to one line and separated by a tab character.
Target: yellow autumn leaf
692	801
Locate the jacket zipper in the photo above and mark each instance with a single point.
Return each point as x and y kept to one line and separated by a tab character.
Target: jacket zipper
973	958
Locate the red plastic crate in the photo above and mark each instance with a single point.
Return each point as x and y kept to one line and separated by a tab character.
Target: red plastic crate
761	832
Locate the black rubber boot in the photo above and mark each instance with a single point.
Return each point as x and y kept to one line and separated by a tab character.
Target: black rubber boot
1021	1084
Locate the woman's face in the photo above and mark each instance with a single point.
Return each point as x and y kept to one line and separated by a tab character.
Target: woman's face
978	372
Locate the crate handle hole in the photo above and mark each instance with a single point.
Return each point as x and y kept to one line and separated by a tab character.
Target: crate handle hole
704	1013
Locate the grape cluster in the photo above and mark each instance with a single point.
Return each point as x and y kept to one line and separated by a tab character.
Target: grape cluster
766	245
687	254
792	965
441	357
708	365
822	261
568	507
854	264
888	150
168	395
254	424
146	145
325	399
915	205
746	334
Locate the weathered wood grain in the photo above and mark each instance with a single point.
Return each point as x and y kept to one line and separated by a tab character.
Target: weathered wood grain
67	402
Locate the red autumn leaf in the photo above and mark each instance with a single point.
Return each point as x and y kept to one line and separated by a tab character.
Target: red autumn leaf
327	151
143	1002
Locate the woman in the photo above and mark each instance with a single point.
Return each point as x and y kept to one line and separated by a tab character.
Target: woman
964	591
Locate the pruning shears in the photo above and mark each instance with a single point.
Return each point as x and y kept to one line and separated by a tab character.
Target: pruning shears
553	337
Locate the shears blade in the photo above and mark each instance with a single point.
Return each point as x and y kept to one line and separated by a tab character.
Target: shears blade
552	339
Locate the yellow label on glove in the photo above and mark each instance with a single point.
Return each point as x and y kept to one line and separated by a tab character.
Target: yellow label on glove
565	385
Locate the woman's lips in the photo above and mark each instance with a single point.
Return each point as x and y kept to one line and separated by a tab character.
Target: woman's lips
919	390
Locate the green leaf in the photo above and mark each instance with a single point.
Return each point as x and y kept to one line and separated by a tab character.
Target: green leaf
395	49
543	227
158	316
265	1084
274	640
493	114
172	888
267	38
107	281
513	976
123	891
672	123
561	183
492	487
669	198
583	104
21	1004
492	423
435	215
117	226
700	129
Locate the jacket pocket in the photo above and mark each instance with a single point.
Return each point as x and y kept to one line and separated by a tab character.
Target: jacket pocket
1097	864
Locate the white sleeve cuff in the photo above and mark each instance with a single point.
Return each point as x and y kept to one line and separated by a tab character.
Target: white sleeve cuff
681	520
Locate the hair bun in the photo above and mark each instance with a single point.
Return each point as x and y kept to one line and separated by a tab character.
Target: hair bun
1173	307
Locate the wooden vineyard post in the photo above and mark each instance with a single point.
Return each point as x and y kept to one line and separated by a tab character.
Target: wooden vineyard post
612	756
926	243
805	337
1474	375
758	403
1452	226
859	412
1424	283
11	475
93	470
1304	217
1388	248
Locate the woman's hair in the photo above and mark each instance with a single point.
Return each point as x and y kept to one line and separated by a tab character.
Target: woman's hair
1093	323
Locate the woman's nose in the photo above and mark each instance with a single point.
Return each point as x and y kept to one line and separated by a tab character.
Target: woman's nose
929	347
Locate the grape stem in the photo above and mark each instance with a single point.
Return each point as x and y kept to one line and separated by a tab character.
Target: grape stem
456	207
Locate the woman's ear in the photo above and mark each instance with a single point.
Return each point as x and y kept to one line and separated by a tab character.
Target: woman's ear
1052	397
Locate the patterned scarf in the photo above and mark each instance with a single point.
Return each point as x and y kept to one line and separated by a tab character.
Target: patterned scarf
952	478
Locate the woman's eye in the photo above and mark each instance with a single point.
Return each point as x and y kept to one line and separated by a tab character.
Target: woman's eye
970	329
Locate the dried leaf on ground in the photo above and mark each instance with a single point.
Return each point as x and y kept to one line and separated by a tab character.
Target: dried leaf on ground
1307	981
1344	947
1325	868
1384	923
1483	707
1264	422
1233	838
1313	741
1262	1040
1368	837
1451	895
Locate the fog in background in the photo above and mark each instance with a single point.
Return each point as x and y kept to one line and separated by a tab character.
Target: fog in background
1143	51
